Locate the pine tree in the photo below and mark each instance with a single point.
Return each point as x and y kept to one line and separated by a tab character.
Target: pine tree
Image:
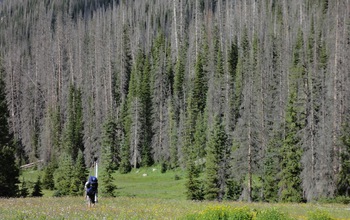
135	108
193	152
291	152
126	61
233	83
79	174
37	189
200	139
200	85
271	169
23	191
56	129
48	176
106	178
290	183
216	153
125	166
188	135
343	180
5	135
193	184
63	175
160	95
73	134
9	171
179	78
173	163
234	184
146	99
110	139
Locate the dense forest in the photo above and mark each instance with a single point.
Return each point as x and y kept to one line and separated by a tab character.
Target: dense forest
252	97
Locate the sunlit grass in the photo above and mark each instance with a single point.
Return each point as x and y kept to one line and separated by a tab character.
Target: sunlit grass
154	185
142	208
155	196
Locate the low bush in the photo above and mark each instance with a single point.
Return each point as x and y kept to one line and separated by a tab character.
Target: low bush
271	214
222	213
338	200
319	215
58	193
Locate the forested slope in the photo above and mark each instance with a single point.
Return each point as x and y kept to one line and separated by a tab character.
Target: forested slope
254	94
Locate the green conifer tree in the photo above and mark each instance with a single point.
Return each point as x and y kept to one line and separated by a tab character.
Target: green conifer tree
56	130
73	134
48	176
200	85
79	174
343	180
179	77
125	166
134	121
23	190
200	138
215	167
291	151
37	189
126	61
9	171
110	139
107	165
234	82
106	178
290	183
173	163
193	184
5	135
188	135
63	175
146	120
271	169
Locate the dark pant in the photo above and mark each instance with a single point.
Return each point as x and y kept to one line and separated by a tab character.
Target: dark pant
92	198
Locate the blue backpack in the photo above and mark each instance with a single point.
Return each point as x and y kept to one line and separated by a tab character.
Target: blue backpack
92	185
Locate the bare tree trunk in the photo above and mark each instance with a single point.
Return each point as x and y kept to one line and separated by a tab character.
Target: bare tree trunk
196	27
136	134
249	163
335	97
175	27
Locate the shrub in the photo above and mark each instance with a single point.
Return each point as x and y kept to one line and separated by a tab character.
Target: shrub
222	213
58	193
271	214
163	167
319	215
339	199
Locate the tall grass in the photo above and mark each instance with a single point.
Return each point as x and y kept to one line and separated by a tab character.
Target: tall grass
151	208
156	196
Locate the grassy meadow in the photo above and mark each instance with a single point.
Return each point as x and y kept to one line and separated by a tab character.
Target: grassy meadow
155	196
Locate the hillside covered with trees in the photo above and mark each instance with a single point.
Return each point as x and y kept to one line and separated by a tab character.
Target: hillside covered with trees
253	96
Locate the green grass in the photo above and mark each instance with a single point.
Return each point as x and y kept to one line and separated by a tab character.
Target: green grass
154	185
155	196
29	175
145	208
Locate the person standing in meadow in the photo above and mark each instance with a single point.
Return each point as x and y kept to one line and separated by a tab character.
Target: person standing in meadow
91	190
